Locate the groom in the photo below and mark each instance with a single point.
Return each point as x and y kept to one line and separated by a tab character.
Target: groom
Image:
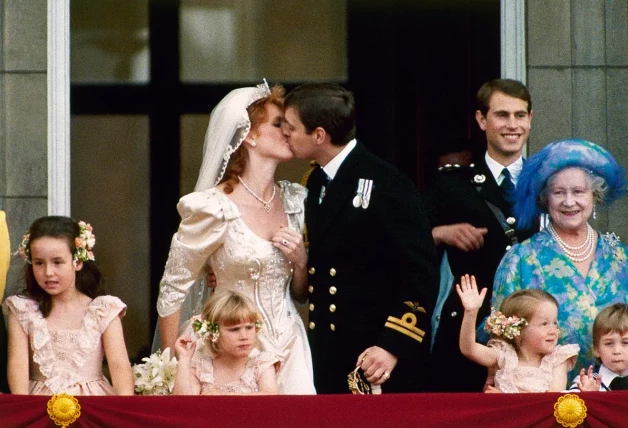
371	268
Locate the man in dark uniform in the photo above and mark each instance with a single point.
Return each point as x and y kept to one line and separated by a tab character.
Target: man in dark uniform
470	212
372	261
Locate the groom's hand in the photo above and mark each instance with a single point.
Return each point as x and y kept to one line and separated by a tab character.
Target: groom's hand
377	364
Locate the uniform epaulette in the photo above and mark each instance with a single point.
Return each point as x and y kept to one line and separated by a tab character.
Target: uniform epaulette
307	174
456	167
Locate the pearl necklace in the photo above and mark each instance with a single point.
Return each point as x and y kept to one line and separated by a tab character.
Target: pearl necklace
266	203
578	253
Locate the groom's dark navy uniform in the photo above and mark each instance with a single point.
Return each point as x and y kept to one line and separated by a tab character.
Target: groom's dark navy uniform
371	270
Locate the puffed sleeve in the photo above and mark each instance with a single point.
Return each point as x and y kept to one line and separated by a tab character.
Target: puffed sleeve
564	353
106	309
24	309
293	195
201	231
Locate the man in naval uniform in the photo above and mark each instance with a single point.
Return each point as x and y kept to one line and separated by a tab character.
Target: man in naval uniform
470	212
372	271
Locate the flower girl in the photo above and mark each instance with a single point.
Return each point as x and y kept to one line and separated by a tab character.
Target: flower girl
59	330
225	359
523	348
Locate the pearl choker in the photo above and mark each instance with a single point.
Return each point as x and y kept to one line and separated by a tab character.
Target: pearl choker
578	253
266	203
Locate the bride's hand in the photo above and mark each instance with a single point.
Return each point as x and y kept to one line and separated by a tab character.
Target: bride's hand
291	244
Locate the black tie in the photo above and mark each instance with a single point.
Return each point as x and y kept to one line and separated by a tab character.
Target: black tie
506	184
619	383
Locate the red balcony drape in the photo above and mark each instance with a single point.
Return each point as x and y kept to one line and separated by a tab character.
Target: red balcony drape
604	409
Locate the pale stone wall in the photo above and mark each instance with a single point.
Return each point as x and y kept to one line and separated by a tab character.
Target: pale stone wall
577	56
23	119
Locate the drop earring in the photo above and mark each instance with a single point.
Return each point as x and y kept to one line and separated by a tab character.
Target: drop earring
594	213
253	143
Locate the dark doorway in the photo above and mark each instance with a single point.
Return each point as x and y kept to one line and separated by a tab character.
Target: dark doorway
415	67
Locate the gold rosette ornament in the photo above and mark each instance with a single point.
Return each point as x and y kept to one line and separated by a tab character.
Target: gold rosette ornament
570	410
63	409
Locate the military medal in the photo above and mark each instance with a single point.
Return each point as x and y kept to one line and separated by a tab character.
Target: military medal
366	198
357	200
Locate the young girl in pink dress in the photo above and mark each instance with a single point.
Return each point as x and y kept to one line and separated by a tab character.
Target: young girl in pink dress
59	331
225	359
523	349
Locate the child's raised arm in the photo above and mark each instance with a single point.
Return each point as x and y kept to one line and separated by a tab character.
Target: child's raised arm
18	358
184	382
118	358
472	301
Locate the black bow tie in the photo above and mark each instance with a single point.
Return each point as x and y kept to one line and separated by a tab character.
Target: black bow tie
619	383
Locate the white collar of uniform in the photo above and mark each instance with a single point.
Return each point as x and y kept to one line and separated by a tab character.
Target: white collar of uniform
331	169
496	168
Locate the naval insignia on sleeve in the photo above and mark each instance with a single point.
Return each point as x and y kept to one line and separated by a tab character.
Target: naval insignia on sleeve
406	325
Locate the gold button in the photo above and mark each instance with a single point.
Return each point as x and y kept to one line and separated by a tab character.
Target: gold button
332	290
312	325
312	271
332	327
310	289
332	308
311	306
332	272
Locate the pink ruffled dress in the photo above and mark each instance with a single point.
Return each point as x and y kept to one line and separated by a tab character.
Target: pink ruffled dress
67	361
511	377
202	366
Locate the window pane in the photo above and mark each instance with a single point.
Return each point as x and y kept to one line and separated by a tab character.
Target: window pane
245	40
109	41
111	190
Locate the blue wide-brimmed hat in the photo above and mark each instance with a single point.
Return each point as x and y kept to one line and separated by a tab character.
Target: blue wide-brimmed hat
557	156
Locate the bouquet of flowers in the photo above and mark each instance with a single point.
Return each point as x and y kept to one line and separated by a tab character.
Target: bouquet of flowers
155	376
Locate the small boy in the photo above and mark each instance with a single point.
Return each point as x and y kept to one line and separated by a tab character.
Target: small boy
610	345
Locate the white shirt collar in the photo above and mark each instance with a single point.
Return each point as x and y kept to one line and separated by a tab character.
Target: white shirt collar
331	169
496	169
607	375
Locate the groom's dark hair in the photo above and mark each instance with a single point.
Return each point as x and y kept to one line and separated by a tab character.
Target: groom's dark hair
325	105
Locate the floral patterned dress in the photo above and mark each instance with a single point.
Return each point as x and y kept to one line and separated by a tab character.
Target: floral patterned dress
512	377
540	263
212	231
67	361
202	366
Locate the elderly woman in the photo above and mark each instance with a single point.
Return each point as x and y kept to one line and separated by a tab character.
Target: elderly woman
583	269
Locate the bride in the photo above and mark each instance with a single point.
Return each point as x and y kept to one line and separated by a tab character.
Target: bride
247	228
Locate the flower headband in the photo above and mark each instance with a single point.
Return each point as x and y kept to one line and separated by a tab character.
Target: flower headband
206	329
84	244
499	325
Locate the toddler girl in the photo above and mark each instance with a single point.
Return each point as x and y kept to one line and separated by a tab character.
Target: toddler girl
59	330
523	349
225	359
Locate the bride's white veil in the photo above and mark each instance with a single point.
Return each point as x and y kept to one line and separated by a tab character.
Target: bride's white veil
228	126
